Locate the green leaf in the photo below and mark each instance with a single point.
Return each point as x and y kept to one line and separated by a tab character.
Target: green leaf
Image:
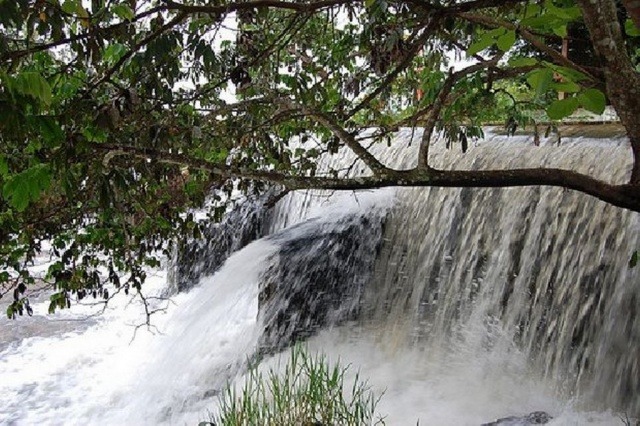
593	100
123	11
630	28
70	6
568	74
50	130
562	108
560	30
21	189
565	86
34	85
114	52
486	40
506	40
634	259
565	13
522	62
52	306
540	80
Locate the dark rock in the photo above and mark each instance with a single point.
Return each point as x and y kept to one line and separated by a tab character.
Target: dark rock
245	223
535	418
317	277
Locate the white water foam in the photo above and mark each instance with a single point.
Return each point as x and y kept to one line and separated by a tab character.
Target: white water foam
100	375
95	374
459	385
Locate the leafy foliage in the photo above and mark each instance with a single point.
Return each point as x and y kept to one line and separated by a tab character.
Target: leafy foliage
119	117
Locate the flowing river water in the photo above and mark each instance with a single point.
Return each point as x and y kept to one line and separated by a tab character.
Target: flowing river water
460	306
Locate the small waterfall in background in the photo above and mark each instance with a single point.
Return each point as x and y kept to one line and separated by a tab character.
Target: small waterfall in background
459	305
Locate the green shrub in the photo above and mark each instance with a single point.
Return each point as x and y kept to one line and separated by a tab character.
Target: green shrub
308	392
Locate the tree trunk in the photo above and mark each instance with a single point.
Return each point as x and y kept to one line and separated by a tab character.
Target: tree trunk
622	81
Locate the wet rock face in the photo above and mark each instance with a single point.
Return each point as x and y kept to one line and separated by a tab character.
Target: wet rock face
203	256
535	418
316	278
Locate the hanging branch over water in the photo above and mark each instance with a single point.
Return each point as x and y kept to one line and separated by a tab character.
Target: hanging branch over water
117	118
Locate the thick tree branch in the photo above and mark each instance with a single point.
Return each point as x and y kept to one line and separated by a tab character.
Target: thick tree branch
625	196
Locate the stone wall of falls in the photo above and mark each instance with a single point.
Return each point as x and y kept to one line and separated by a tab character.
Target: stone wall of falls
547	267
317	276
197	257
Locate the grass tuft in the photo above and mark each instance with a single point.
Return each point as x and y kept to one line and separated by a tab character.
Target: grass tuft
308	392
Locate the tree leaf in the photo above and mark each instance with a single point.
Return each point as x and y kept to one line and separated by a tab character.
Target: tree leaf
123	11
522	62
540	80
486	40
114	52
630	28
562	108
567	14
23	188
560	30
568	74
633	261
506	40
70	6
565	86
32	84
593	100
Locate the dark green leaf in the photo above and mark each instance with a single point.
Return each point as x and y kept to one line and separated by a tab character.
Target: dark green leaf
486	40
522	62
593	100
540	80
123	11
630	28
562	108
506	40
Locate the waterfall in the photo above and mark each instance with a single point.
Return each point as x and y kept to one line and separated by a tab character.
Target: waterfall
547	267
461	305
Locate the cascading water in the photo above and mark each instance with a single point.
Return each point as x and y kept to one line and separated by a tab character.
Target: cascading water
463	305
545	267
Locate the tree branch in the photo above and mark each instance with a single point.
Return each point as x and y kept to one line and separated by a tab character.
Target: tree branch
625	196
439	103
16	54
107	75
347	138
530	37
275	4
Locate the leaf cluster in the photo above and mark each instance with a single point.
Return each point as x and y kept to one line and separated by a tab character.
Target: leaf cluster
120	117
